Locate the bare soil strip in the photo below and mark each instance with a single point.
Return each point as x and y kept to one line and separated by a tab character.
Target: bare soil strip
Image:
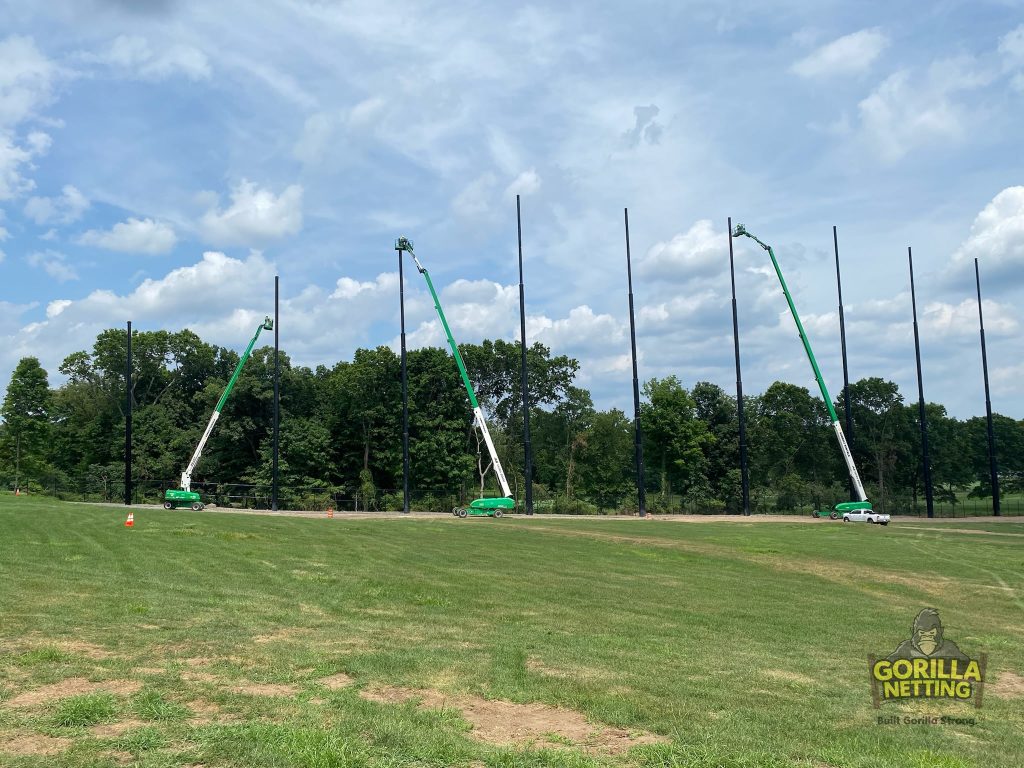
505	722
73	686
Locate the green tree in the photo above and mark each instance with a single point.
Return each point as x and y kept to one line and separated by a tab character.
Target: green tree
675	439
24	442
883	434
722	452
495	367
606	459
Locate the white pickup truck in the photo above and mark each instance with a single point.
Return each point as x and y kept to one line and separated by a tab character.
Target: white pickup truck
865	516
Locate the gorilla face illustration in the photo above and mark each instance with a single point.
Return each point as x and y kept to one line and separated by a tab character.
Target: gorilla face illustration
927	635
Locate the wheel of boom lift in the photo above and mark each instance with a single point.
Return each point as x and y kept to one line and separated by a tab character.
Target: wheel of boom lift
168	505
462	513
834	515
497	513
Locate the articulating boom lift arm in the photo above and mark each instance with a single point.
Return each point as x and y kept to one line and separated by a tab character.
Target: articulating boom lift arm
862	501
186	476
405	244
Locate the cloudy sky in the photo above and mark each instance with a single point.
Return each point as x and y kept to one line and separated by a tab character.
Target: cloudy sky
162	160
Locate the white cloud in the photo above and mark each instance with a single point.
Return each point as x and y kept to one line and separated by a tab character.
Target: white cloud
254	216
26	79
134	55
13	158
997	241
906	112
946	320
57	306
583	330
699	252
54	264
525	184
386	285
476	197
133	236
323	132
1011	47
64	209
850	54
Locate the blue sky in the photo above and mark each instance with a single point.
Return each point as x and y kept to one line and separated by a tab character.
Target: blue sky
161	161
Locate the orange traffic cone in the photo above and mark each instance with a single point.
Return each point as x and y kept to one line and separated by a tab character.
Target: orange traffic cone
330	512
130	522
17	491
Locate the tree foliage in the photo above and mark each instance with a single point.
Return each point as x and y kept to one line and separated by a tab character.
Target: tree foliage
341	429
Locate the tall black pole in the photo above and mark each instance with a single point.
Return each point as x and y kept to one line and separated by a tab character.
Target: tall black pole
641	492
277	392
527	448
925	455
128	420
744	474
846	369
992	468
405	390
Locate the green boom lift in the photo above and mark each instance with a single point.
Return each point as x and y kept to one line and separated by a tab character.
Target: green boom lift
493	507
186	497
846	506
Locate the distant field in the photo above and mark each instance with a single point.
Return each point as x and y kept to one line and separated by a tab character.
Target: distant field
204	639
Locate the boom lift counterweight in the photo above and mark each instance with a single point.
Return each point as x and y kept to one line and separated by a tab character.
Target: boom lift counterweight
487	506
186	497
846	506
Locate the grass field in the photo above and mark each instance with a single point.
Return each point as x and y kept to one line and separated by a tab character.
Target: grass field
205	639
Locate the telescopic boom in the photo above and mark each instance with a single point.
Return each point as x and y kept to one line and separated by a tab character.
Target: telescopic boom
405	244
862	501
186	476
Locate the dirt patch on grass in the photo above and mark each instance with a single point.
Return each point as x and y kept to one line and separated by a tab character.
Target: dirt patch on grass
114	730
788	676
266	689
34	744
505	722
1008	685
289	633
393	694
206	712
69	646
575	672
82	648
73	686
198	676
334	682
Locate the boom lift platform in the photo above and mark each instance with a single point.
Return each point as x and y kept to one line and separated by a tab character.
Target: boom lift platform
494	506
846	506
186	497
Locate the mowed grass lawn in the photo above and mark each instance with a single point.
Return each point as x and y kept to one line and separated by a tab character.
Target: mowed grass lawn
206	639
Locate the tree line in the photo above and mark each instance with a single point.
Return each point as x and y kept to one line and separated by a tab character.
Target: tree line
341	431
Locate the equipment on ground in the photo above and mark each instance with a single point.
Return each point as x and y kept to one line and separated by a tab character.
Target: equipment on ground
186	497
495	506
847	506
